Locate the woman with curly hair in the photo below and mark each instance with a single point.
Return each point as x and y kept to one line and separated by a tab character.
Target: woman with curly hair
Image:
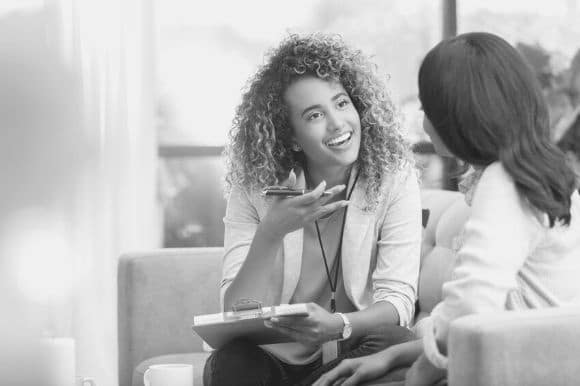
520	246
316	117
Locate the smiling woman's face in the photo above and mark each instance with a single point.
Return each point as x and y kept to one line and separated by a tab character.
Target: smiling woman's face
324	121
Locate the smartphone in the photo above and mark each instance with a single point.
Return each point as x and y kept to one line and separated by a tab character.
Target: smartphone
288	192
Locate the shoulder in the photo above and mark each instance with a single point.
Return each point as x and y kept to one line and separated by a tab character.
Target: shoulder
399	178
240	199
496	192
400	181
396	185
496	172
494	184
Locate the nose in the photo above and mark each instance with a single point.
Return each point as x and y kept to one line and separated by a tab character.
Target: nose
335	121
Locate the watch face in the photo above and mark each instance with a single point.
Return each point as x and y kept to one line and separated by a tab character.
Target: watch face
347	331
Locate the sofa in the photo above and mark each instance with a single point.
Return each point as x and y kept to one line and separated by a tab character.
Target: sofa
160	291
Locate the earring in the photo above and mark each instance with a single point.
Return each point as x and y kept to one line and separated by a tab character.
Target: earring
296	147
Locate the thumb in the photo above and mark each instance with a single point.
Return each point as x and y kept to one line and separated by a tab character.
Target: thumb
291	180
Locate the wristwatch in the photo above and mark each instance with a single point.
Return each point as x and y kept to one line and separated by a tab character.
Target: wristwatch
347	329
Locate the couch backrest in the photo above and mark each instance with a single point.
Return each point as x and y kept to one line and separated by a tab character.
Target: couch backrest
448	213
159	292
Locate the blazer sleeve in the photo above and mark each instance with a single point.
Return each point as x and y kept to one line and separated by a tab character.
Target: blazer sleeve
398	251
240	223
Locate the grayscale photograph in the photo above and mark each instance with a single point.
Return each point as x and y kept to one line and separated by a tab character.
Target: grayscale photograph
280	193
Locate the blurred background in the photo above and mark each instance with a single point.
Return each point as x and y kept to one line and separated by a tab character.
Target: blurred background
114	114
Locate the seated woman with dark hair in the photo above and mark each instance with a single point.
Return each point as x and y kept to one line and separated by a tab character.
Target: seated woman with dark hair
520	247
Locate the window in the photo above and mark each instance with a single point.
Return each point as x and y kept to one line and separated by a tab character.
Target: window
208	50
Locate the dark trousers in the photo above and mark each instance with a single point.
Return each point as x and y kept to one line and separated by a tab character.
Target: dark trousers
242	363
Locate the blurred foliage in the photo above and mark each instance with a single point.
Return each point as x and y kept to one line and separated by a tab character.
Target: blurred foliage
193	201
561	87
553	79
539	60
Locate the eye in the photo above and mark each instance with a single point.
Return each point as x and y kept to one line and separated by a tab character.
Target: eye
314	115
343	102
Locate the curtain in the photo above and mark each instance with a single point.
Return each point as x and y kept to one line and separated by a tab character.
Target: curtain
78	159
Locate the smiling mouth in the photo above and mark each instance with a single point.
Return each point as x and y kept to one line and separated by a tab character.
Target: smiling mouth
341	139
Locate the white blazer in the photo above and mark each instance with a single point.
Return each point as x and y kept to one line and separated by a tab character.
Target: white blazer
380	249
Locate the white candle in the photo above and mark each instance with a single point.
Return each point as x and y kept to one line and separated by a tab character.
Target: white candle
58	359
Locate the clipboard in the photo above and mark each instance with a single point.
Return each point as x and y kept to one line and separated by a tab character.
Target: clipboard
245	320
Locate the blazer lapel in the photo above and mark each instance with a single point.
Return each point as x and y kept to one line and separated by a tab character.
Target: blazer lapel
355	251
292	263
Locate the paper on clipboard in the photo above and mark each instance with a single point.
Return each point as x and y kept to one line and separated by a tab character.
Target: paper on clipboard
247	322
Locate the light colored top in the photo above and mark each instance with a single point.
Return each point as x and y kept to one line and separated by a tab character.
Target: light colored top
313	285
509	258
380	249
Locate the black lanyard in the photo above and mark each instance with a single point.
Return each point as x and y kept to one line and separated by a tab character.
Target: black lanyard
338	253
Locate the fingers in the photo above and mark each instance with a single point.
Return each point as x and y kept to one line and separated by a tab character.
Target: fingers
353	380
336	189
317	195
312	197
301	322
291	180
330	378
291	321
328	209
333	192
289	332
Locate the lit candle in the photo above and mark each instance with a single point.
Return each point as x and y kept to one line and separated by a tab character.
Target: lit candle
58	359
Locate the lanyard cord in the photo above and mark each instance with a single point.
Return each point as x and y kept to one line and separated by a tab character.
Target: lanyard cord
338	253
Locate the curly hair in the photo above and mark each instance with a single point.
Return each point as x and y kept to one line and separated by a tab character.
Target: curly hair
259	151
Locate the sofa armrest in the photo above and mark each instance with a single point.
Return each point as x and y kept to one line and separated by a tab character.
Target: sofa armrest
535	347
159	292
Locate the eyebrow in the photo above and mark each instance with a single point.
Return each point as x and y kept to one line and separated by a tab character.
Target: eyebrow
340	94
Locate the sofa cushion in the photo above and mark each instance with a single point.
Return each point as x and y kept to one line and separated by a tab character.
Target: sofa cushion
448	215
197	359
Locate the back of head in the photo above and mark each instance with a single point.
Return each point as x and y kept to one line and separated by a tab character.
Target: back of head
486	105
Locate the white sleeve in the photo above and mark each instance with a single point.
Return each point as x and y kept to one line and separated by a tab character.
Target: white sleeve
398	251
240	223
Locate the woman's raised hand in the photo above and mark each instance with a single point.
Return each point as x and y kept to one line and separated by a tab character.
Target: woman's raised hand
289	214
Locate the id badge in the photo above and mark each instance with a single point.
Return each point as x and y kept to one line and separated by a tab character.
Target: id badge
329	351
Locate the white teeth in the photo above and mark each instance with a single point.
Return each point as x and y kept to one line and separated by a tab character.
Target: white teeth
339	140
